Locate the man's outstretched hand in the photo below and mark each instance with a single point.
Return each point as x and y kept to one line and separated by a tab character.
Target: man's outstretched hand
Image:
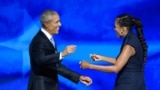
86	80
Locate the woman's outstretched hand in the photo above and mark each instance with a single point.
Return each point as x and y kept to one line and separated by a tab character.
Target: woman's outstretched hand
84	64
96	57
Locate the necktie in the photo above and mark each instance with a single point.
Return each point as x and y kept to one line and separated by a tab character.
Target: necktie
52	41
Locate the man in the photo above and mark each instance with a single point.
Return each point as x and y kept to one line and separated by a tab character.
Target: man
46	61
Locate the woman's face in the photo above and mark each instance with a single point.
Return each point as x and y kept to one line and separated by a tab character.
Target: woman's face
118	28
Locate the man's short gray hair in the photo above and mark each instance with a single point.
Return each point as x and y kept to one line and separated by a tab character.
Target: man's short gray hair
47	15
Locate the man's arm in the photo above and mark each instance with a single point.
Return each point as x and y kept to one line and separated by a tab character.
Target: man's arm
72	75
68	73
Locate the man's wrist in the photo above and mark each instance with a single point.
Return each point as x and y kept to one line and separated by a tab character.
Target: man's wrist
81	77
63	53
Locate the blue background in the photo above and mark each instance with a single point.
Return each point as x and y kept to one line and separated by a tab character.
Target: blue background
86	23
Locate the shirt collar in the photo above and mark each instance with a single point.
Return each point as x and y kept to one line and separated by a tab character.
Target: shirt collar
49	36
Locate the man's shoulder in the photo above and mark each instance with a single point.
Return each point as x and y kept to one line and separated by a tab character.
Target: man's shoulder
39	34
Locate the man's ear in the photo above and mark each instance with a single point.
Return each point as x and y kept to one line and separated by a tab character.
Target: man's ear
45	24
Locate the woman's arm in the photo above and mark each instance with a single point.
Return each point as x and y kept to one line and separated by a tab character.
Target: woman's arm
97	57
126	53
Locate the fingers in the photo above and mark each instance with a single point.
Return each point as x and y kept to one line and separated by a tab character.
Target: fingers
86	80
89	80
81	64
71	48
93	57
87	83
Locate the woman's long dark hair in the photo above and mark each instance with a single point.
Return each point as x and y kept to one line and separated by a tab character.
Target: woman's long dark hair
128	21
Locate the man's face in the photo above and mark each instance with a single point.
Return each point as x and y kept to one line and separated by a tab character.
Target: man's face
53	25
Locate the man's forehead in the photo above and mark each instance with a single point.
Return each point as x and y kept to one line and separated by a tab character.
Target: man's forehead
56	16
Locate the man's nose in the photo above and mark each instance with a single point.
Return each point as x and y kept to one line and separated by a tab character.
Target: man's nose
59	23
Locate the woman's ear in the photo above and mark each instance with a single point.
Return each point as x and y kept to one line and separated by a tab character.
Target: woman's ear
124	29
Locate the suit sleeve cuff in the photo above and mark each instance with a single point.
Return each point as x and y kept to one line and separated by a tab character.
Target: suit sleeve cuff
60	57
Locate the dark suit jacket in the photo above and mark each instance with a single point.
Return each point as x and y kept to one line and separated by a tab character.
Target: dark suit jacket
45	65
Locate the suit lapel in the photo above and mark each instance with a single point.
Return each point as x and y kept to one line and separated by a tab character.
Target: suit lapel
48	41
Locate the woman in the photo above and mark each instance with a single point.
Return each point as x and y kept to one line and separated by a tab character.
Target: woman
129	63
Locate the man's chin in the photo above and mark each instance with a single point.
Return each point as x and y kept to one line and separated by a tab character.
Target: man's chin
57	33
